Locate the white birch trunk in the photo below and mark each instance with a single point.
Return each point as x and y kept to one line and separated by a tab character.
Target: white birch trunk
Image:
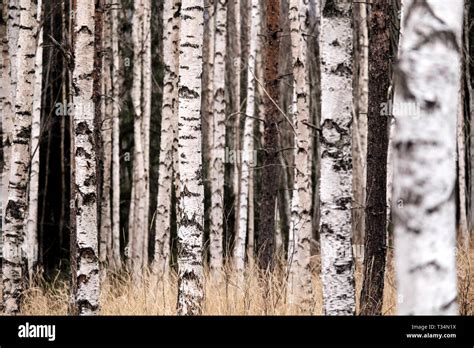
137	225
336	162
86	269
169	114
32	223
299	273
190	210
115	143
147	76
246	181
218	146
105	237
17	205
424	146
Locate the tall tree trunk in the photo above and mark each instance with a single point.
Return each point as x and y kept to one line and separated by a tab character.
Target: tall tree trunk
105	241
336	160
116	86
359	127
190	213
376	213
218	141
246	181
235	87
32	223
84	255
17	204
147	76
299	272
424	146
138	225
169	115
271	148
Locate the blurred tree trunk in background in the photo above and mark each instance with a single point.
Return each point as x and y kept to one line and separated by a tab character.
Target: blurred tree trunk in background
424	148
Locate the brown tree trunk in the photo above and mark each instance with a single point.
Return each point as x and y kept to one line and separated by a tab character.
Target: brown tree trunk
376	212
271	162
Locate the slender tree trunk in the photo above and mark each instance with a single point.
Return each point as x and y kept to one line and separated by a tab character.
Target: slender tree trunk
235	87
147	76
84	255
116	85
271	148
138	225
32	223
336	160
190	213
105	242
376	213
246	181
169	114
17	205
299	273
359	127
218	142
424	146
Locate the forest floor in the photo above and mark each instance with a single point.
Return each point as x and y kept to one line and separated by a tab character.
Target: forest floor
122	296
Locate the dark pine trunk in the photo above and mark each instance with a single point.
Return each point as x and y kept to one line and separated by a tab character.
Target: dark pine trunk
271	161
377	145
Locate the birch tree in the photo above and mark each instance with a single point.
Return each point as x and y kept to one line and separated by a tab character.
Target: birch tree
84	256
424	146
137	223
168	124
17	204
190	213
246	181
115	142
299	273
218	141
32	223
336	163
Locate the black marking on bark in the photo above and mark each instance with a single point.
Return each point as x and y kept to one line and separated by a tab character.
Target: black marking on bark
82	128
343	268
15	209
342	70
81	152
90	180
434	264
89	198
446	306
185	92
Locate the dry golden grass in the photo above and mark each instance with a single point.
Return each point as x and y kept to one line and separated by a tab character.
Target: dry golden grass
121	296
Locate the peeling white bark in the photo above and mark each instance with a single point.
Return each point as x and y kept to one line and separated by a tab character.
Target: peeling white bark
32	223
190	210
218	144
17	205
299	272
86	268
246	181
336	160
168	123
424	146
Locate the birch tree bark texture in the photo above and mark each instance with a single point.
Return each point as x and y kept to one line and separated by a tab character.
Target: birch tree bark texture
17	204
427	76
171	23
248	146
32	223
190	211
299	272
218	140
336	160
84	256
